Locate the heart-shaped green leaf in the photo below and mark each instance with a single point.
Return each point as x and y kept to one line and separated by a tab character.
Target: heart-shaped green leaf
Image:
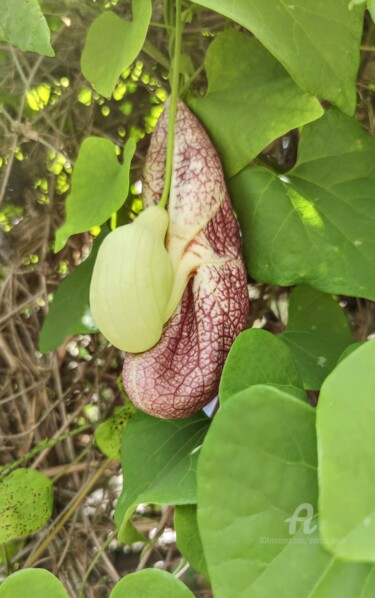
159	459
100	186
251	100
112	44
150	583
259	357
69	312
317	333
316	224
26	499
36	583
257	501
22	24
305	38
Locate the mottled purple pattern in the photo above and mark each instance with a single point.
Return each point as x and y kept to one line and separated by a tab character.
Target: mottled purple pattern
181	373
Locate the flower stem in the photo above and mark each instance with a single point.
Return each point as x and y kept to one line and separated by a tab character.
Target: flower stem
173	106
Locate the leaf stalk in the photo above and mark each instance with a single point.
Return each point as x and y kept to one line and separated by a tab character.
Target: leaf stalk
173	106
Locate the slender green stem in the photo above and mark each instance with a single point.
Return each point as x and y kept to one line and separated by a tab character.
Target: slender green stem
173	106
155	54
113	221
180	566
6	469
5	558
187	85
167	13
79	458
160	25
98	555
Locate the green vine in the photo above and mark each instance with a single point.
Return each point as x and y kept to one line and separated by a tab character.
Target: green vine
98	555
50	442
173	105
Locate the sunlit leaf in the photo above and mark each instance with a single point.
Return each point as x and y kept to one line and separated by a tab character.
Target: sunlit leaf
100	186
251	100
26	499
69	312
345	426
22	24
259	357
150	583
316	224
112	44
305	36
38	583
159	458
317	333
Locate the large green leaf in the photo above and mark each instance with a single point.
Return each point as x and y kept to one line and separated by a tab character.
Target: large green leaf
257	492
315	225
317	333
305	36
22	24
112	44
345	426
188	538
159	459
26	499
69	312
305	569
36	583
259	357
100	186
251	100
261	441
150	583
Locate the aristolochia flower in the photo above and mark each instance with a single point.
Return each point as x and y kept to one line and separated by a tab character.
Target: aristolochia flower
181	372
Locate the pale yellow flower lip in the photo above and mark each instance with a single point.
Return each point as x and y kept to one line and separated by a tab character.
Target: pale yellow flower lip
132	282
